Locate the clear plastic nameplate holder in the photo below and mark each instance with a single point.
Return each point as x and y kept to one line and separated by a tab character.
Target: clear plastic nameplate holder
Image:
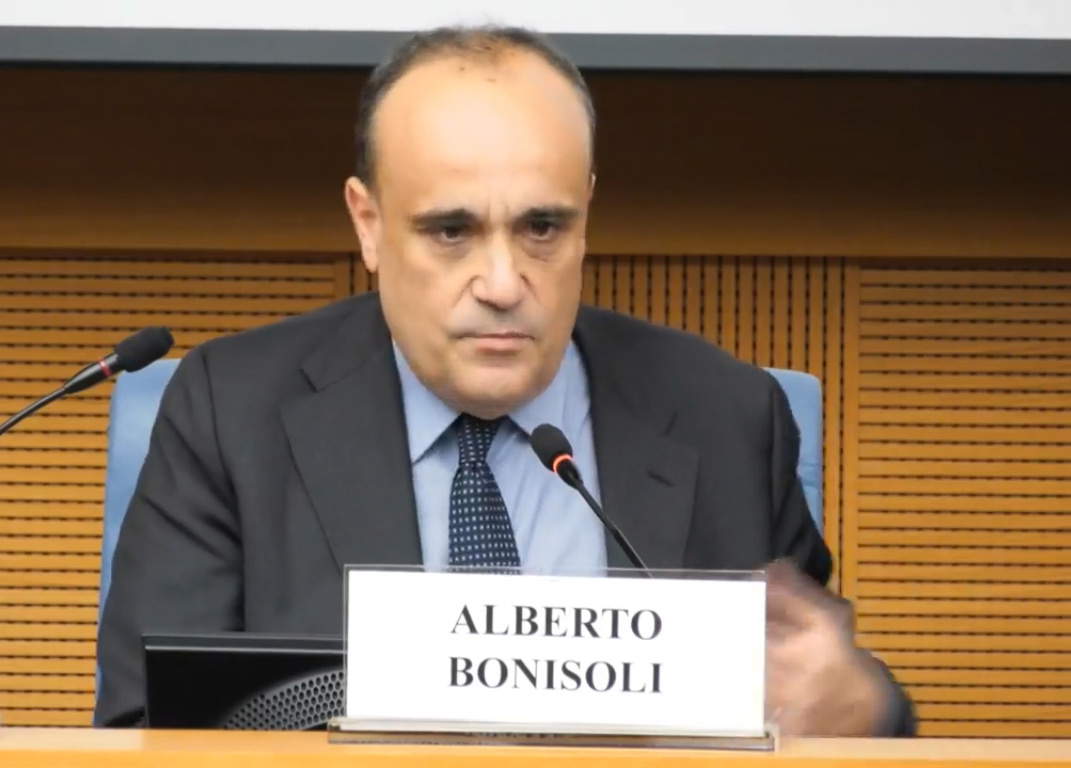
658	659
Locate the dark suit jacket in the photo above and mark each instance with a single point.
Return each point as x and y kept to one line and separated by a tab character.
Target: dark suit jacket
280	454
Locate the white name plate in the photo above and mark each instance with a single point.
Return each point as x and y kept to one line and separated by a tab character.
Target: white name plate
446	651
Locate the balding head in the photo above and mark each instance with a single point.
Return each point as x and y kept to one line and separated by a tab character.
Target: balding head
478	45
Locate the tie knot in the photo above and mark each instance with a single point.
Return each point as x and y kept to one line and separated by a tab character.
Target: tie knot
474	437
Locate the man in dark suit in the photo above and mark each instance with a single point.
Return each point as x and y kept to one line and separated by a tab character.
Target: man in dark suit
284	453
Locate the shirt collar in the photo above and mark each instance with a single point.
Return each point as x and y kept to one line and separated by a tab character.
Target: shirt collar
427	417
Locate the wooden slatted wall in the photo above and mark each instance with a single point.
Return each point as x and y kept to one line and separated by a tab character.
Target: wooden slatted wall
56	314
959	504
948	447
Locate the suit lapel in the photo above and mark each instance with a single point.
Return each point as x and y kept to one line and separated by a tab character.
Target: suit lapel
348	439
647	479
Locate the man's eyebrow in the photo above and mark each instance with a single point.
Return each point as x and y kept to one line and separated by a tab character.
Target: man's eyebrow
438	217
560	213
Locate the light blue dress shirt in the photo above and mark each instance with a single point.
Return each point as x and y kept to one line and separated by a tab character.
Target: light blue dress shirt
555	530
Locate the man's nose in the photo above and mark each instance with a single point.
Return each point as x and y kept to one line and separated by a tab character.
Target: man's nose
499	283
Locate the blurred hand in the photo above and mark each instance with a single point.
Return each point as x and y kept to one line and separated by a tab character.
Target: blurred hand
818	682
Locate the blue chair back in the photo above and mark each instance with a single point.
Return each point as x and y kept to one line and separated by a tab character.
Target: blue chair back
135	401
804	393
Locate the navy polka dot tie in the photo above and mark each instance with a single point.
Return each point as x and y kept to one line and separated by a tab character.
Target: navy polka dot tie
480	530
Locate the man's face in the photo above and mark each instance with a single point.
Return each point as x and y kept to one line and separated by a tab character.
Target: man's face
476	224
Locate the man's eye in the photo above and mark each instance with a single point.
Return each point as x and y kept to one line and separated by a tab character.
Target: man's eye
451	233
542	229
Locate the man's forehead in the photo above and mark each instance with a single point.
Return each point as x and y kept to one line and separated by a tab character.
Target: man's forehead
460	109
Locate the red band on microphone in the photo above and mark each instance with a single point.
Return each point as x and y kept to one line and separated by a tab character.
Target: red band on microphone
558	460
104	367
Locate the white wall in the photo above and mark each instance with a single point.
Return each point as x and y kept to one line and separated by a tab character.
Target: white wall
880	18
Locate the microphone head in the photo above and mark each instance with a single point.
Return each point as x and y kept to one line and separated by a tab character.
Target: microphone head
550	443
135	352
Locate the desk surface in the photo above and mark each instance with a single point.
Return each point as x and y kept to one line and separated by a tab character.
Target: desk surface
205	749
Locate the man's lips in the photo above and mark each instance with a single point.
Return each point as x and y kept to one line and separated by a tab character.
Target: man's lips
504	341
501	335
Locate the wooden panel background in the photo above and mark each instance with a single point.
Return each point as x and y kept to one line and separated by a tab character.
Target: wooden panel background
948	446
695	163
957	500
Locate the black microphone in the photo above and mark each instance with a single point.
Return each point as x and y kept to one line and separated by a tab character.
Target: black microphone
131	354
553	449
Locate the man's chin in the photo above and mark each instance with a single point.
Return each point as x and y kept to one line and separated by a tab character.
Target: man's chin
492	396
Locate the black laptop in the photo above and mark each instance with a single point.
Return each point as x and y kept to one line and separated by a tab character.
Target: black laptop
243	681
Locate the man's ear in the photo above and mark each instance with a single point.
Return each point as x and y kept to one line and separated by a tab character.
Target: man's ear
591	187
364	213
